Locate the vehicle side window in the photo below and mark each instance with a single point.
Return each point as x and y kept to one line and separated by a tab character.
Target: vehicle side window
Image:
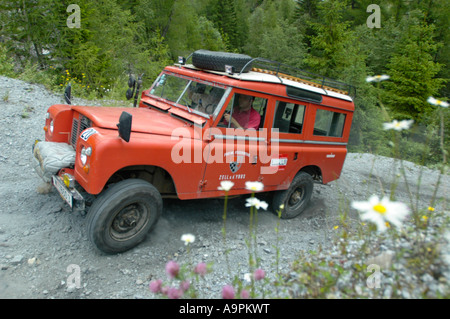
329	123
245	111
289	117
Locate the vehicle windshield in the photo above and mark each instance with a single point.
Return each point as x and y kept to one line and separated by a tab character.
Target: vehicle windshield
200	98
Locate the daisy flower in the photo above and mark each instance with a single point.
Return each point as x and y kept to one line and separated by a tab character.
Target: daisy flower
398	125
437	102
188	239
382	211
253	201
248	277
225	186
377	78
254	186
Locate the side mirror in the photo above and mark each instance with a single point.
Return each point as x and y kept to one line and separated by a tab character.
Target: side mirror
68	94
129	94
124	126
131	87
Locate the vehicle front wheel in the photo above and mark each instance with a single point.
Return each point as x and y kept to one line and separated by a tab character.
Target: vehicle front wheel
295	198
120	218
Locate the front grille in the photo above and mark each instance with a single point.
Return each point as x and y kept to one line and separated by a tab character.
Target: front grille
78	126
74	135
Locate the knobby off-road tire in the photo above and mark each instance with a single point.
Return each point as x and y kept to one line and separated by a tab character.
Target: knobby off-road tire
121	216
296	198
216	61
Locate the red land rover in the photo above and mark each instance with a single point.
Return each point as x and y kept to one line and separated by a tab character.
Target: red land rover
224	117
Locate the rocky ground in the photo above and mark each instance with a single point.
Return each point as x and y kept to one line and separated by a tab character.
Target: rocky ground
43	244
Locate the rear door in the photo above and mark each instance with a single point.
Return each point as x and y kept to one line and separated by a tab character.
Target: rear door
286	143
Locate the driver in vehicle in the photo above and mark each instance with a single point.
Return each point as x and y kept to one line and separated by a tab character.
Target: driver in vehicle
244	115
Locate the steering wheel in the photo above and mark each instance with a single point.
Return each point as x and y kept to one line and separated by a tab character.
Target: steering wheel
211	106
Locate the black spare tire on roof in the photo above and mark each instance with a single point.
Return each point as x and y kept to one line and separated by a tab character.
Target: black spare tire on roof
216	61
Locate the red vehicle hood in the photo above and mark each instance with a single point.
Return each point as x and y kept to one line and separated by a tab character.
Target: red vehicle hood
144	120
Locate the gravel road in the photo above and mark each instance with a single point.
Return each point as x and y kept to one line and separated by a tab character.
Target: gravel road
42	243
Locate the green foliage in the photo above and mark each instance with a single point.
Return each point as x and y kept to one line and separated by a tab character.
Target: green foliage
329	37
413	70
6	62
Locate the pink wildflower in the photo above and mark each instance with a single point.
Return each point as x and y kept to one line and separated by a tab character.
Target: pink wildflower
228	292
165	290
155	286
174	293
172	269
200	269
245	294
184	285
259	274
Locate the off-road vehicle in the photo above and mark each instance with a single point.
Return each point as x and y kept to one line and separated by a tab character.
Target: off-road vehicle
222	117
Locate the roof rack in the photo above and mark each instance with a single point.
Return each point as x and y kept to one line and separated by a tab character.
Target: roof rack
284	71
287	72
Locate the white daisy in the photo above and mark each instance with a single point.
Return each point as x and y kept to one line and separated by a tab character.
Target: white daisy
254	186
225	186
437	102
398	125
377	78
381	211
248	277
188	239
253	201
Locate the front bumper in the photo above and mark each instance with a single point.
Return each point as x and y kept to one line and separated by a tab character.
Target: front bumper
52	162
70	195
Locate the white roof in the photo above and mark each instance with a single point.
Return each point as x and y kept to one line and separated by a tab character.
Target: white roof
270	78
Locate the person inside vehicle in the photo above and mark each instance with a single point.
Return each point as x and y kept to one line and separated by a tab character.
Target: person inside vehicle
244	115
207	104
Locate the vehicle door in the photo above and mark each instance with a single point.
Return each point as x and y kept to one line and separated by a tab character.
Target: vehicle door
233	153
287	142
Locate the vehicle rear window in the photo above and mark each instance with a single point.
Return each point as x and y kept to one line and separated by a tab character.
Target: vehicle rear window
329	123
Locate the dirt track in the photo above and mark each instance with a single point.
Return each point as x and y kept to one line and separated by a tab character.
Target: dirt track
41	240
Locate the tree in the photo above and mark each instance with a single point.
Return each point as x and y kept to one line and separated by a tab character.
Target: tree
330	36
230	19
413	70
28	26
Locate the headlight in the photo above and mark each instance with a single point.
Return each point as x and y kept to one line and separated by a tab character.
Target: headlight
85	152
51	127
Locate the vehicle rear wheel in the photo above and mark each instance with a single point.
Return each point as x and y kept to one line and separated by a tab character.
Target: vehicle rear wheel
120	218
296	198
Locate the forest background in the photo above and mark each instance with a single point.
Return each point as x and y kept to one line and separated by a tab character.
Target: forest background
334	38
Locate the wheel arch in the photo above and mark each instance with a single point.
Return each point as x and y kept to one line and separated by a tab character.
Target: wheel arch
155	175
314	171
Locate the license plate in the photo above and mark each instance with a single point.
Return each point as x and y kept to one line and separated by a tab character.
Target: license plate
65	194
